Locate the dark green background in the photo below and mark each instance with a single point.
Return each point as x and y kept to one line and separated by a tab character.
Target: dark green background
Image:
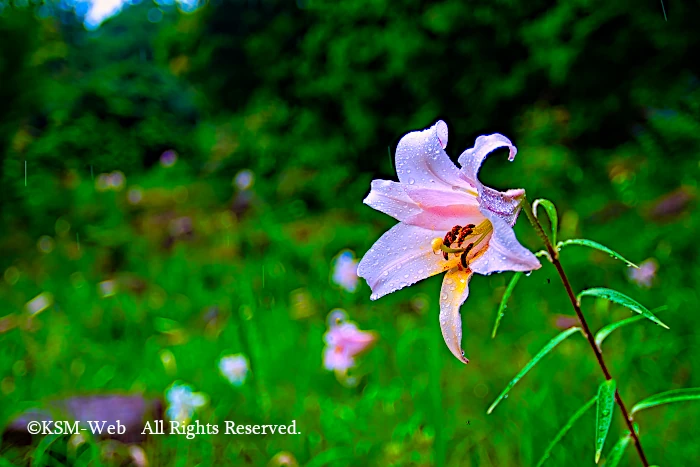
601	98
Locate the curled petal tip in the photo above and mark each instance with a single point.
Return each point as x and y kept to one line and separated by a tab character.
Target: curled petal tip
512	153
441	130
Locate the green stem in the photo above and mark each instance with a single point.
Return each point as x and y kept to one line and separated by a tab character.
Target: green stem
554	258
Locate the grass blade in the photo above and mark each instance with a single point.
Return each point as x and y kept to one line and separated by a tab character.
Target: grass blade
615	455
605	332
564	430
504	300
621	299
675	395
553	343
551	213
604	411
597	246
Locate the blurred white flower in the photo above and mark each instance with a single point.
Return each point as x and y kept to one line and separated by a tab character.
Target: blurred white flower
644	276
182	401
234	368
102	183
39	303
107	288
116	180
244	179
135	195
345	271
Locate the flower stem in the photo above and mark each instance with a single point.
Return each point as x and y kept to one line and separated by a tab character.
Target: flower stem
554	258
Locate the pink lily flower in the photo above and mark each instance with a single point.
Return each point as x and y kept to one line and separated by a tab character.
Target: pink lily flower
344	341
449	222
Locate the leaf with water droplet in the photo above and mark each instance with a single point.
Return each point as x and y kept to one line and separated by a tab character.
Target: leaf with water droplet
545	350
504	300
621	299
605	332
615	455
605	406
579	413
596	246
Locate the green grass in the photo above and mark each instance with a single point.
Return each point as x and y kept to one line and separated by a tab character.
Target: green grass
414	404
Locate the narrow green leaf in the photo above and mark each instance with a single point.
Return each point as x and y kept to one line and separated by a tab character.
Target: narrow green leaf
615	455
551	211
621	299
597	246
675	395
42	449
604	411
553	343
605	332
564	430
504	301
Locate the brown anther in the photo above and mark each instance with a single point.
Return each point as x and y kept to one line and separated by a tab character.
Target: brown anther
463	234
463	258
451	235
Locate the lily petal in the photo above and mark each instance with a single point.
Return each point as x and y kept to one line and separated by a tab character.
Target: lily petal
391	198
504	252
422	161
507	204
401	257
441	195
443	218
455	290
472	158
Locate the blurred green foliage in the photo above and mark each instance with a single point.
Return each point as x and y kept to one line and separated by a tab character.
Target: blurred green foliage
601	98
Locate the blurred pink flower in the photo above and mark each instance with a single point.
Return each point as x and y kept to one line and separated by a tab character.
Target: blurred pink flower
644	276
345	271
449	221
565	322
344	341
